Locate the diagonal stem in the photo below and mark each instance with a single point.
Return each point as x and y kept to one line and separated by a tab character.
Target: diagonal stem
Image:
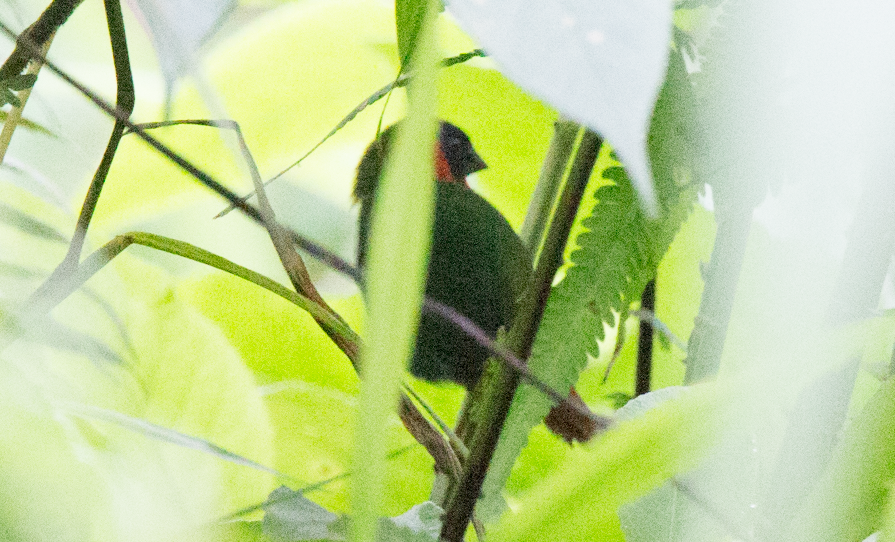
125	105
520	340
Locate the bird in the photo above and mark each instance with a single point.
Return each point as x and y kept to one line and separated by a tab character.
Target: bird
478	266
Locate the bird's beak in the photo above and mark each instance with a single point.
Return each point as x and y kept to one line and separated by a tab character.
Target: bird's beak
476	163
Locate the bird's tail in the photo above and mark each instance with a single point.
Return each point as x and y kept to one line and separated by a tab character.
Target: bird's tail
569	423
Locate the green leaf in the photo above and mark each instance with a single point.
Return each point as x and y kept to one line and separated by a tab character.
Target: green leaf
30	225
668	513
10	98
851	497
400	234
422	518
580	501
157	432
289	516
415	525
195	391
409	17
113	450
271	334
31	125
59	336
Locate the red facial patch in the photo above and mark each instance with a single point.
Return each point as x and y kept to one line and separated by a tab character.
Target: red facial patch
442	169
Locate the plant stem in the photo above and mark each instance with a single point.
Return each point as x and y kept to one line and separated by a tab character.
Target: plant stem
520	339
708	336
554	168
124	103
645	341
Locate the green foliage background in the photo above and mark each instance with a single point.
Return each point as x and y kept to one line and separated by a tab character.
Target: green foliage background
206	392
207	354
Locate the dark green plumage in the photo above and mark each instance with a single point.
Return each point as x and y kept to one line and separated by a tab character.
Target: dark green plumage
478	264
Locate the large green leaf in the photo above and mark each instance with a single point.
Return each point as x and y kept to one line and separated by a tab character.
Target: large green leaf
600	63
579	502
175	437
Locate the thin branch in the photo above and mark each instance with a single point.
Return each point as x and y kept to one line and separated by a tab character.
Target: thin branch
124	100
455	441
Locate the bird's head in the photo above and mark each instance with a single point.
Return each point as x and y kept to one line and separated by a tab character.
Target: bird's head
455	159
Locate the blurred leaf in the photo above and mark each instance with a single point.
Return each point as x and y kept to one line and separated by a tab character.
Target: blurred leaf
193	390
276	339
409	16
178	28
397	530
56	335
30	225
19	271
104	435
422	518
290	516
36	182
600	63
395	275
163	434
849	501
640	405
48	492
668	513
888	528
304	49
580	501
31	125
